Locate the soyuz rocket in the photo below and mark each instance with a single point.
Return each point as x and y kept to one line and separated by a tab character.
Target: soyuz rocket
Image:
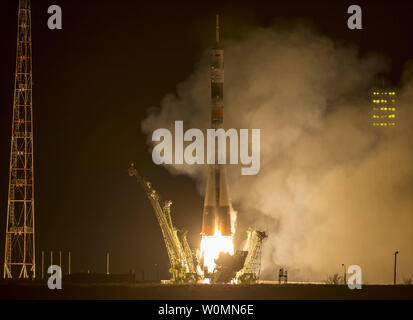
217	204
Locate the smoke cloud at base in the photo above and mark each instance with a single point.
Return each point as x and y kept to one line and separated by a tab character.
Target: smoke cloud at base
331	189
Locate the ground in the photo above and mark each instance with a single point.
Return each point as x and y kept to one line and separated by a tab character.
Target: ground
155	291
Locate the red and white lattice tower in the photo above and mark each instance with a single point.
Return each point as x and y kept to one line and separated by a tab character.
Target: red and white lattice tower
19	260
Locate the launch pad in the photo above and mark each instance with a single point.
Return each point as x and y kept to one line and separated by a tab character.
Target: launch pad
189	266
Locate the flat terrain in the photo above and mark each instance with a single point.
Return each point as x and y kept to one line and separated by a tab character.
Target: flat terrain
155	291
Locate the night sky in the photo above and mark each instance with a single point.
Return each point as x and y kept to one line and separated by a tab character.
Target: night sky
94	82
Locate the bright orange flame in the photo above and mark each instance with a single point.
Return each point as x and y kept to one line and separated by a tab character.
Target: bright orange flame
211	246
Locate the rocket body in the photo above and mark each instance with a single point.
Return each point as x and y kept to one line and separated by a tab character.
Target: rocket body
217	87
217	204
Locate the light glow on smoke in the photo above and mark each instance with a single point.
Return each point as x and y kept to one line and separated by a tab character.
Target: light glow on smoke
324	170
212	246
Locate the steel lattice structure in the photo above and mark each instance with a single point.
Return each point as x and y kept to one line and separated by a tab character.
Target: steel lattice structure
20	237
179	253
252	266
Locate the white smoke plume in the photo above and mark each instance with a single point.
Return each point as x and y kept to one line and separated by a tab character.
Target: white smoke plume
331	189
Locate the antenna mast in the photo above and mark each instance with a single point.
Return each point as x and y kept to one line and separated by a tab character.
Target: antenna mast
20	255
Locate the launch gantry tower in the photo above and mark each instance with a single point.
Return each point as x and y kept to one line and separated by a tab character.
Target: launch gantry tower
252	266
180	255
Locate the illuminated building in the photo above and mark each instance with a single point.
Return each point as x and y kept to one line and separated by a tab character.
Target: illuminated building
384	109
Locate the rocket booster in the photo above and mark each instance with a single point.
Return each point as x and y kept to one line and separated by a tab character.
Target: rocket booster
217	203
